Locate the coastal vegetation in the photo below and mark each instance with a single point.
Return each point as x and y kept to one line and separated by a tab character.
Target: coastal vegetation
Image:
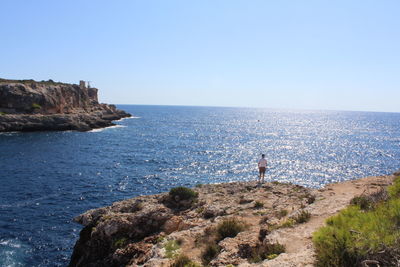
258	205
180	198
183	193
302	217
365	232
171	248
266	251
210	252
229	228
36	106
183	261
30	81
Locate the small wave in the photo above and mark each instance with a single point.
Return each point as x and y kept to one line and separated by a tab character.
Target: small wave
12	253
132	117
103	129
9	133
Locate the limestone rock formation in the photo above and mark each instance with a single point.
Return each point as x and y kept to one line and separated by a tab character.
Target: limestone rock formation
27	105
148	231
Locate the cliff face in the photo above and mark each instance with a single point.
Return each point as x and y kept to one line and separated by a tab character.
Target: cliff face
27	105
46	97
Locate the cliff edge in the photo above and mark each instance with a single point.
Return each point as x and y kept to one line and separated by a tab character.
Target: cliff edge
232	224
28	105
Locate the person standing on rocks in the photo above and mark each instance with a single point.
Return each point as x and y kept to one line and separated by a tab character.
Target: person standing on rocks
262	166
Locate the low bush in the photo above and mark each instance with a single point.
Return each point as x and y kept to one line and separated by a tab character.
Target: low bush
184	261
368	202
210	252
182	193
229	228
302	217
258	205
394	189
355	235
36	106
287	223
282	213
2	113
261	251
171	248
362	201
119	243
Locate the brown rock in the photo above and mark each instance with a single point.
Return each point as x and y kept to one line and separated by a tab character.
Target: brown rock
175	223
50	106
136	253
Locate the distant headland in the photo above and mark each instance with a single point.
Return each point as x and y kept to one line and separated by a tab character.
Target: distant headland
28	105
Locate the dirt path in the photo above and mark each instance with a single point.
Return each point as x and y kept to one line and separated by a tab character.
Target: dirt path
329	200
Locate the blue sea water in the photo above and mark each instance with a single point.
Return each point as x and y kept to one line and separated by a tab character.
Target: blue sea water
47	178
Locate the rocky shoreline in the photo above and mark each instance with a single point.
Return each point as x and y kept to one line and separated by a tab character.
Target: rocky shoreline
27	105
153	230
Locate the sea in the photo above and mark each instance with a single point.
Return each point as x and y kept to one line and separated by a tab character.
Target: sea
48	178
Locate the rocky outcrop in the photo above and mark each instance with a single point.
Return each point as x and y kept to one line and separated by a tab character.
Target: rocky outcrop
27	105
148	231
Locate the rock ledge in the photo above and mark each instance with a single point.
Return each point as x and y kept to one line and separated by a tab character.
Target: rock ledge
138	231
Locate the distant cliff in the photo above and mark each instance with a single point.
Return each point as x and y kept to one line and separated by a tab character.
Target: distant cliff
28	105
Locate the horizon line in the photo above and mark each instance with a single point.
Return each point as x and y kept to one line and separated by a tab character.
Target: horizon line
271	108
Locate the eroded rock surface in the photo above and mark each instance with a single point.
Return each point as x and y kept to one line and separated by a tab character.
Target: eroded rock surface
27	105
138	231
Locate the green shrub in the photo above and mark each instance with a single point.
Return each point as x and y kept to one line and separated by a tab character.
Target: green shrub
261	251
272	256
394	189
36	106
362	201
229	228
210	252
2	113
183	193
287	223
119	243
258	205
302	217
200	210
269	249
183	261
171	248
282	213
355	235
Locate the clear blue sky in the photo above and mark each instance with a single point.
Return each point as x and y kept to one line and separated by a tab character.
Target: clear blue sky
342	55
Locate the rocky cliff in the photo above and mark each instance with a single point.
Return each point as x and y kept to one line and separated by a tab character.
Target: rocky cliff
27	105
233	224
